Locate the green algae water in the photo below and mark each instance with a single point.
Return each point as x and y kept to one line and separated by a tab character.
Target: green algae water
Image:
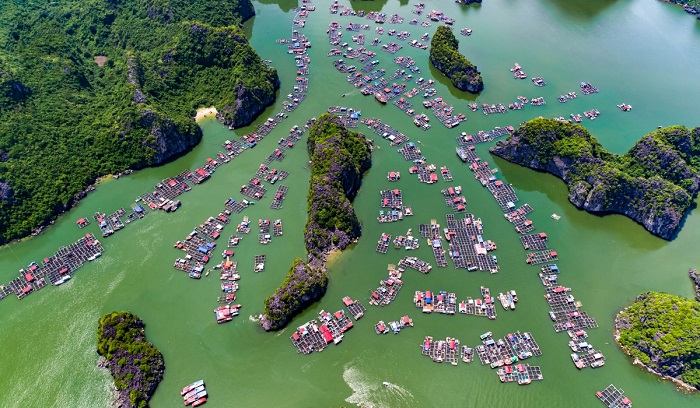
641	52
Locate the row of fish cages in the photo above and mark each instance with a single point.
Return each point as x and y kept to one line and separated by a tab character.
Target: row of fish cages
393	214
394	325
254	189
512	348
465	140
426	173
277	154
392	47
355	307
453	199
446	174
317	334
523	374
438	252
467	247
407	242
494	108
534	242
443	112
565	310
394	137
388	288
295	134
540	257
55	269
279	197
412	262
270	175
519	219
411	152
449	350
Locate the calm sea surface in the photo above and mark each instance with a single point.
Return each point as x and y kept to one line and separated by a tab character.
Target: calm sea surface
641	52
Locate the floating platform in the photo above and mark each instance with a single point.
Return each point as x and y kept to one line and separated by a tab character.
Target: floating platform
614	397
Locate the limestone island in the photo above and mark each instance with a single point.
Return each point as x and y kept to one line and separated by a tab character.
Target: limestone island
445	56
136	365
662	333
114	86
654	183
339	158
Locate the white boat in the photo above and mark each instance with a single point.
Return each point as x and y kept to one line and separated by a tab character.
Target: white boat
386	384
555	216
62	280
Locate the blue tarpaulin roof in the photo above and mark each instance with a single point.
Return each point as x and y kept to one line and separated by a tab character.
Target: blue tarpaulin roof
203	249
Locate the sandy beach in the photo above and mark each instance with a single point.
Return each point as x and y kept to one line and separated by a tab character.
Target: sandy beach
205	113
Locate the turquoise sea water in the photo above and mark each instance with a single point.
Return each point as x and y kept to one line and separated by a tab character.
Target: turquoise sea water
641	52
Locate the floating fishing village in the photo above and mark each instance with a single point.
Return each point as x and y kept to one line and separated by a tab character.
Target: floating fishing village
371	58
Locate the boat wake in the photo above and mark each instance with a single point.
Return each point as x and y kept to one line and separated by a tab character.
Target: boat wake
254	318
368	392
399	391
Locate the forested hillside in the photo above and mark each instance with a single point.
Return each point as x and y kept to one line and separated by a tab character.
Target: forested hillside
94	87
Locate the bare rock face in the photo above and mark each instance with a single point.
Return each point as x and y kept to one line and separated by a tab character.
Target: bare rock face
250	102
167	138
652	183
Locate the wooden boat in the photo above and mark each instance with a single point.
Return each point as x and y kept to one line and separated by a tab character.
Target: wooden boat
381	97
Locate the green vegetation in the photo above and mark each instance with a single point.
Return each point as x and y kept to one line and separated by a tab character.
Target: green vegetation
136	365
663	332
654	183
445	56
339	158
65	120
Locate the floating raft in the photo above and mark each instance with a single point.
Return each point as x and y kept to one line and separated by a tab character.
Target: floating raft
410	152
534	242
394	137
591	358
467	247
56	269
383	243
253	189
414	263
357	309
512	348
520	373
519	219
614	397
540	257
317	334
386	292
439	351
260	263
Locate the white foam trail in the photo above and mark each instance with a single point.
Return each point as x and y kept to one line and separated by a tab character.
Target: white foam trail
399	391
254	318
362	388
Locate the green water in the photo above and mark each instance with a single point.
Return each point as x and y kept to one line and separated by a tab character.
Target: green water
640	52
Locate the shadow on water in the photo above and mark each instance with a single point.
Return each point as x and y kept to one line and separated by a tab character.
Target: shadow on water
617	227
580	10
442	79
372	5
284	5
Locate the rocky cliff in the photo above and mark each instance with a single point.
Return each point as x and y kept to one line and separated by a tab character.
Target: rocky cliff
653	183
662	333
445	56
167	138
135	364
339	159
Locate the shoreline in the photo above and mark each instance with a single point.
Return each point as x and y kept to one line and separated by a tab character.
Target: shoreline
203	113
680	385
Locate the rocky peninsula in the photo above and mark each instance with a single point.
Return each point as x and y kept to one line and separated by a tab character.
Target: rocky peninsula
339	158
654	183
113	86
136	364
662	333
445	56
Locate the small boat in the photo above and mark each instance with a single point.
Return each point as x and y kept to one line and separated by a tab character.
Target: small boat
381	97
386	384
555	216
62	280
191	387
486	335
199	402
